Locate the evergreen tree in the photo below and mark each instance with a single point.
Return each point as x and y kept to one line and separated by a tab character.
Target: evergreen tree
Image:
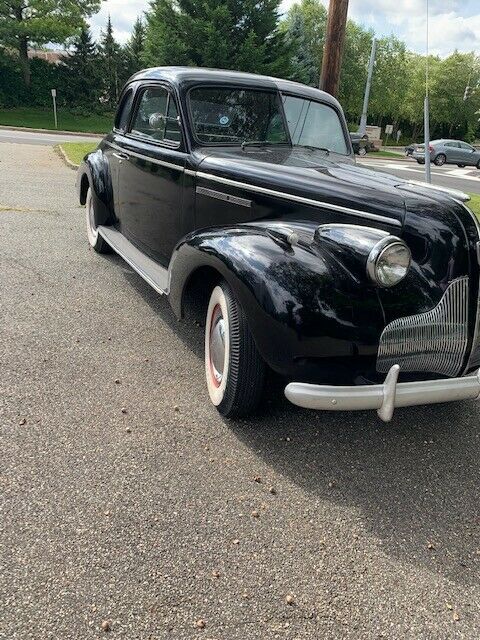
227	34
135	47
304	28
81	73
111	64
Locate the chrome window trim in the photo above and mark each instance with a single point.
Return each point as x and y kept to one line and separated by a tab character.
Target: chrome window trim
293	198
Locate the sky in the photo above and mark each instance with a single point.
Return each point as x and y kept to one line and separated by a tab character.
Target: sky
454	24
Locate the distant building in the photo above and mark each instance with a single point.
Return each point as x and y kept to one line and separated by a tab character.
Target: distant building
54	56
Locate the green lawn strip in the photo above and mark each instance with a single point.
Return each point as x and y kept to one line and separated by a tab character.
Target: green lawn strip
384	154
43	119
76	151
474	203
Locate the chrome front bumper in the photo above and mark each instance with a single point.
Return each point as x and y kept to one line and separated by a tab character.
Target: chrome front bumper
383	397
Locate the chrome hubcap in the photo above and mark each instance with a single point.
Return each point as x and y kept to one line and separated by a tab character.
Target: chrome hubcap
217	345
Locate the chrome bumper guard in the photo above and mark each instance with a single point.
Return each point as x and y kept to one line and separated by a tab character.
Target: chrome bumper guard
383	397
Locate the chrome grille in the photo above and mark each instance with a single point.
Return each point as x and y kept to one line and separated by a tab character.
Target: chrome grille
434	341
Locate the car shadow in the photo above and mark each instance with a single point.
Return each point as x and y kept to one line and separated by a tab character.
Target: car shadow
414	480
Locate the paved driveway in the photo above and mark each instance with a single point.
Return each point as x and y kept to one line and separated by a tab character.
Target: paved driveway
116	507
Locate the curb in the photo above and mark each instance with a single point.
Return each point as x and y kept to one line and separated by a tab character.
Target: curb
60	151
52	131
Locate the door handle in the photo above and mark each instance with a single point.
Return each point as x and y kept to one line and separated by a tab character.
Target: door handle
121	156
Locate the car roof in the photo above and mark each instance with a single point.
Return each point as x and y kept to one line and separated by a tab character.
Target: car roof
186	77
448	140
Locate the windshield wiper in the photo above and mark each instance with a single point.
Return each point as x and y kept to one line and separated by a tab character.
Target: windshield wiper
312	148
260	143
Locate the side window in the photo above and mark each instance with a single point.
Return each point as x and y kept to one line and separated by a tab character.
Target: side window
156	116
466	146
123	112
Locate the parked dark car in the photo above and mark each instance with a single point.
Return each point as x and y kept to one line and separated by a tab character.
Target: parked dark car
449	152
359	143
410	148
239	194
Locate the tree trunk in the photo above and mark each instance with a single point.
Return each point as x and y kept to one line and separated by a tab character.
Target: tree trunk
24	61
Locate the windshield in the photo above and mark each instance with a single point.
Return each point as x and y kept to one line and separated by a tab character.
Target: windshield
221	115
314	124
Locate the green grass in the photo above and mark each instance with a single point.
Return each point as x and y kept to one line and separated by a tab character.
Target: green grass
76	151
384	154
474	204
43	119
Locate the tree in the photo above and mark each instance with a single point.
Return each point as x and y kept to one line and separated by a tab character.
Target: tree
27	22
358	44
228	34
135	48
111	63
449	77
390	80
81	74
304	28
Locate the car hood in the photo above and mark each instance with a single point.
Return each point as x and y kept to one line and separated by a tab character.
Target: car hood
315	175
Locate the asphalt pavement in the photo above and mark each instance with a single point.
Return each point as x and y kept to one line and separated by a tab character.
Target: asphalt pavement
127	501
42	138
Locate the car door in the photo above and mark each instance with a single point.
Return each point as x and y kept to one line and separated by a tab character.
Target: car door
467	155
451	151
112	154
151	175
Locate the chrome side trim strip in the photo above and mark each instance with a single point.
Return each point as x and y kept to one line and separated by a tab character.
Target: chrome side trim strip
434	341
293	198
383	397
226	197
140	156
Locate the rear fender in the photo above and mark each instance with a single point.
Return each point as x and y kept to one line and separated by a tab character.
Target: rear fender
94	172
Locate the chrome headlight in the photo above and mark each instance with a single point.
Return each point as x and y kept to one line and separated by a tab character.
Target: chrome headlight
388	262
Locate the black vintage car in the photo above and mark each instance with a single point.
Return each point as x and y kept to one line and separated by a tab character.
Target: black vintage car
241	193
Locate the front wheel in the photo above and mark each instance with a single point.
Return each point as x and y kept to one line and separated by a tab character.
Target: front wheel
95	240
234	369
440	160
478	164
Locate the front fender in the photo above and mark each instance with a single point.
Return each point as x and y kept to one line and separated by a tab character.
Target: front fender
302	306
94	172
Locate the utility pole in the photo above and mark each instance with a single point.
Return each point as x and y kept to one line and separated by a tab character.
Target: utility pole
334	42
426	115
371	64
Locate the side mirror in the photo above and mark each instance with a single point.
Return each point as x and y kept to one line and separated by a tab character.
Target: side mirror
156	121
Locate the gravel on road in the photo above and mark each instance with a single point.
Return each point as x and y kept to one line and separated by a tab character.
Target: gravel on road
129	508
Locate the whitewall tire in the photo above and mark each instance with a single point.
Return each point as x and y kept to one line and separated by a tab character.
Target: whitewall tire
95	240
234	370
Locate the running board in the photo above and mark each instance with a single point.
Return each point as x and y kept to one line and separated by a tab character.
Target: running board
148	269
